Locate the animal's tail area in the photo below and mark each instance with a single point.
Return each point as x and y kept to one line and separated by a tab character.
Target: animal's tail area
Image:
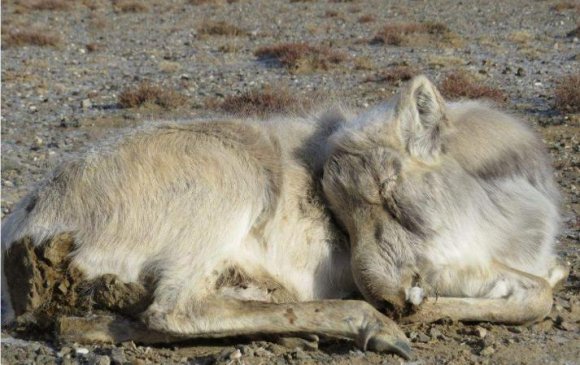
35	245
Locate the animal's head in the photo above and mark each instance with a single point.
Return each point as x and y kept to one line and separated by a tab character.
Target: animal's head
370	183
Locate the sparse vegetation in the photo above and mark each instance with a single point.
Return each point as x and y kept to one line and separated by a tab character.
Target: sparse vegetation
219	28
32	37
458	85
51	5
440	61
261	102
395	74
406	34
568	94
147	93
301	57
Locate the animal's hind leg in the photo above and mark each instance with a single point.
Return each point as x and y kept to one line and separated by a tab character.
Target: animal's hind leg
513	297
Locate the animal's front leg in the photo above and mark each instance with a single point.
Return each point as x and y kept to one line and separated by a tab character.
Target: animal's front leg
386	277
218	317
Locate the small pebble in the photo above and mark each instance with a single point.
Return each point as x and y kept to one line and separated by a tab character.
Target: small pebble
435	333
235	355
118	356
480	332
487	351
86	104
81	351
103	360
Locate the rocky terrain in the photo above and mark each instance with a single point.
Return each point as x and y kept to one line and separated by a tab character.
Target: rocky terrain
76	72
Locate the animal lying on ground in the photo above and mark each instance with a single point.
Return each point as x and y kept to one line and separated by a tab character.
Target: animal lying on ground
236	227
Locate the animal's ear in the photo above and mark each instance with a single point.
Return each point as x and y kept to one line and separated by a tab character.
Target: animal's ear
420	115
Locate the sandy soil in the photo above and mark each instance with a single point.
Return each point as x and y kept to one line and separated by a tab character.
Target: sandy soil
59	99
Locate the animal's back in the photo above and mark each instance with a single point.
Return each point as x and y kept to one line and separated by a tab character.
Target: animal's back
124	204
493	145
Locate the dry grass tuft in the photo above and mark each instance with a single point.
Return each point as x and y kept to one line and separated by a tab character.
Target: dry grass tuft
202	2
50	5
458	85
408	34
210	2
395	74
566	5
363	63
301	57
149	94
261	102
129	6
32	37
97	22
366	19
220	28
568	94
520	37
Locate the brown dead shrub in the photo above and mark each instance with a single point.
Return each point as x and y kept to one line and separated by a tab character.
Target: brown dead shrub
567	94
395	74
301	57
93	47
32	37
51	5
147	93
211	2
366	19
219	28
458	85
129	6
408	34
261	102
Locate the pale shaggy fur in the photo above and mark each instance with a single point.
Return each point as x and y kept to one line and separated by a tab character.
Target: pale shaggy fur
430	199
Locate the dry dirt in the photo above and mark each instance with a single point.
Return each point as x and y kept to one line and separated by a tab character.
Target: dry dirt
64	65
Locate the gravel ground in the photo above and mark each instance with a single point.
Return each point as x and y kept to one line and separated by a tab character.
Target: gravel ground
59	100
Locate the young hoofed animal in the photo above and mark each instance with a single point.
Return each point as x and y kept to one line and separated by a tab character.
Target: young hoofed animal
449	210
